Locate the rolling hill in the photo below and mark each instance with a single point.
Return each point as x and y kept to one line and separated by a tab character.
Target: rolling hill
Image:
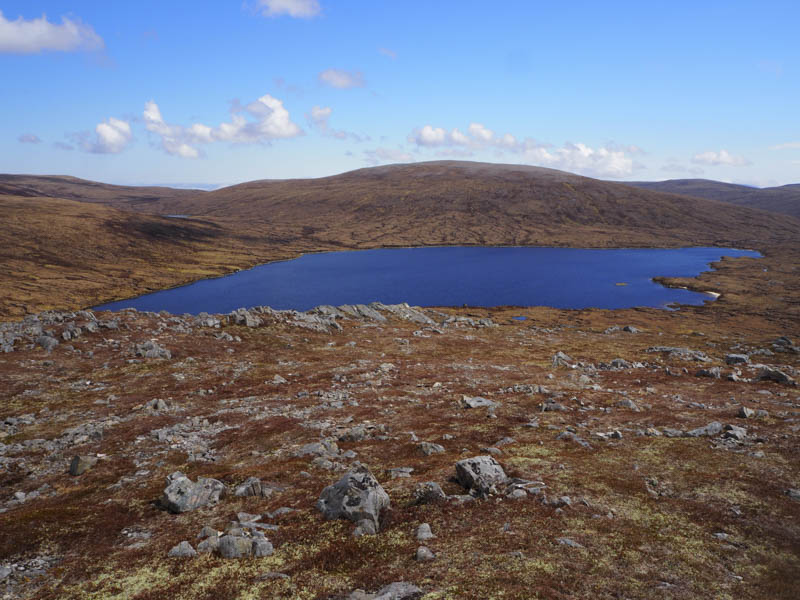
113	243
73	188
783	199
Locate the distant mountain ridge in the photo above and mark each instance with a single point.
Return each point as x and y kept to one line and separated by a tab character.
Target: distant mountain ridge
782	199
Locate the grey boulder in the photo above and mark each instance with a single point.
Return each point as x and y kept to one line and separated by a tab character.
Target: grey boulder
47	342
182	550
712	428
253	486
480	474
356	496
428	492
428	448
399	590
151	349
182	494
477	402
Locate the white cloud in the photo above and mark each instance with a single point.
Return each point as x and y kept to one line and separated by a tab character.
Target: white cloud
480	133
382	155
39	35
386	52
29	138
432	136
580	158
341	79
319	117
786	146
112	136
606	161
723	157
270	121
299	9
478	136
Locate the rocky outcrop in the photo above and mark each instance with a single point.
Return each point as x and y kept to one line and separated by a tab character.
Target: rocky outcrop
182	494
356	496
480	475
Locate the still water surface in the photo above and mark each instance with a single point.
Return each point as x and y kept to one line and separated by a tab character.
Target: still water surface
449	276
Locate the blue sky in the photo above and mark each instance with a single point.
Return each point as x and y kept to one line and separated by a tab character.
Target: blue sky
229	91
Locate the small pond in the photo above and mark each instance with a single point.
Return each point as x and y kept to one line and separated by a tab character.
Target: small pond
450	276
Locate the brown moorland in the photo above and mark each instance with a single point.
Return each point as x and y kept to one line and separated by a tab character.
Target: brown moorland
650	509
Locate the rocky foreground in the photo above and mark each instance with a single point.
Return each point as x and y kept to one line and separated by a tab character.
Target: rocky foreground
392	452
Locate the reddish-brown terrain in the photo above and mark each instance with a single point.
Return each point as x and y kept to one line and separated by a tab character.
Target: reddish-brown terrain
646	453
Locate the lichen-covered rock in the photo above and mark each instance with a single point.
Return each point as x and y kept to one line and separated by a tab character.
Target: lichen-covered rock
182	494
47	342
428	492
182	550
480	474
737	359
151	349
253	486
429	448
560	359
477	402
235	546
356	496
776	375
709	430
261	547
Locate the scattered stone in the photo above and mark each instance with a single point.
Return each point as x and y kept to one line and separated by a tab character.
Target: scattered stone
182	550
356	496
732	432
793	493
399	590
565	541
680	353
182	495
573	437
278	380
713	373
151	349
81	464
262	547
736	359
709	430
209	545
424	532
478	402
776	375
325	448
480	474
428	492
628	403
561	359
399	472
429	448
424	554
253	486
47	342
235	546
365	527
